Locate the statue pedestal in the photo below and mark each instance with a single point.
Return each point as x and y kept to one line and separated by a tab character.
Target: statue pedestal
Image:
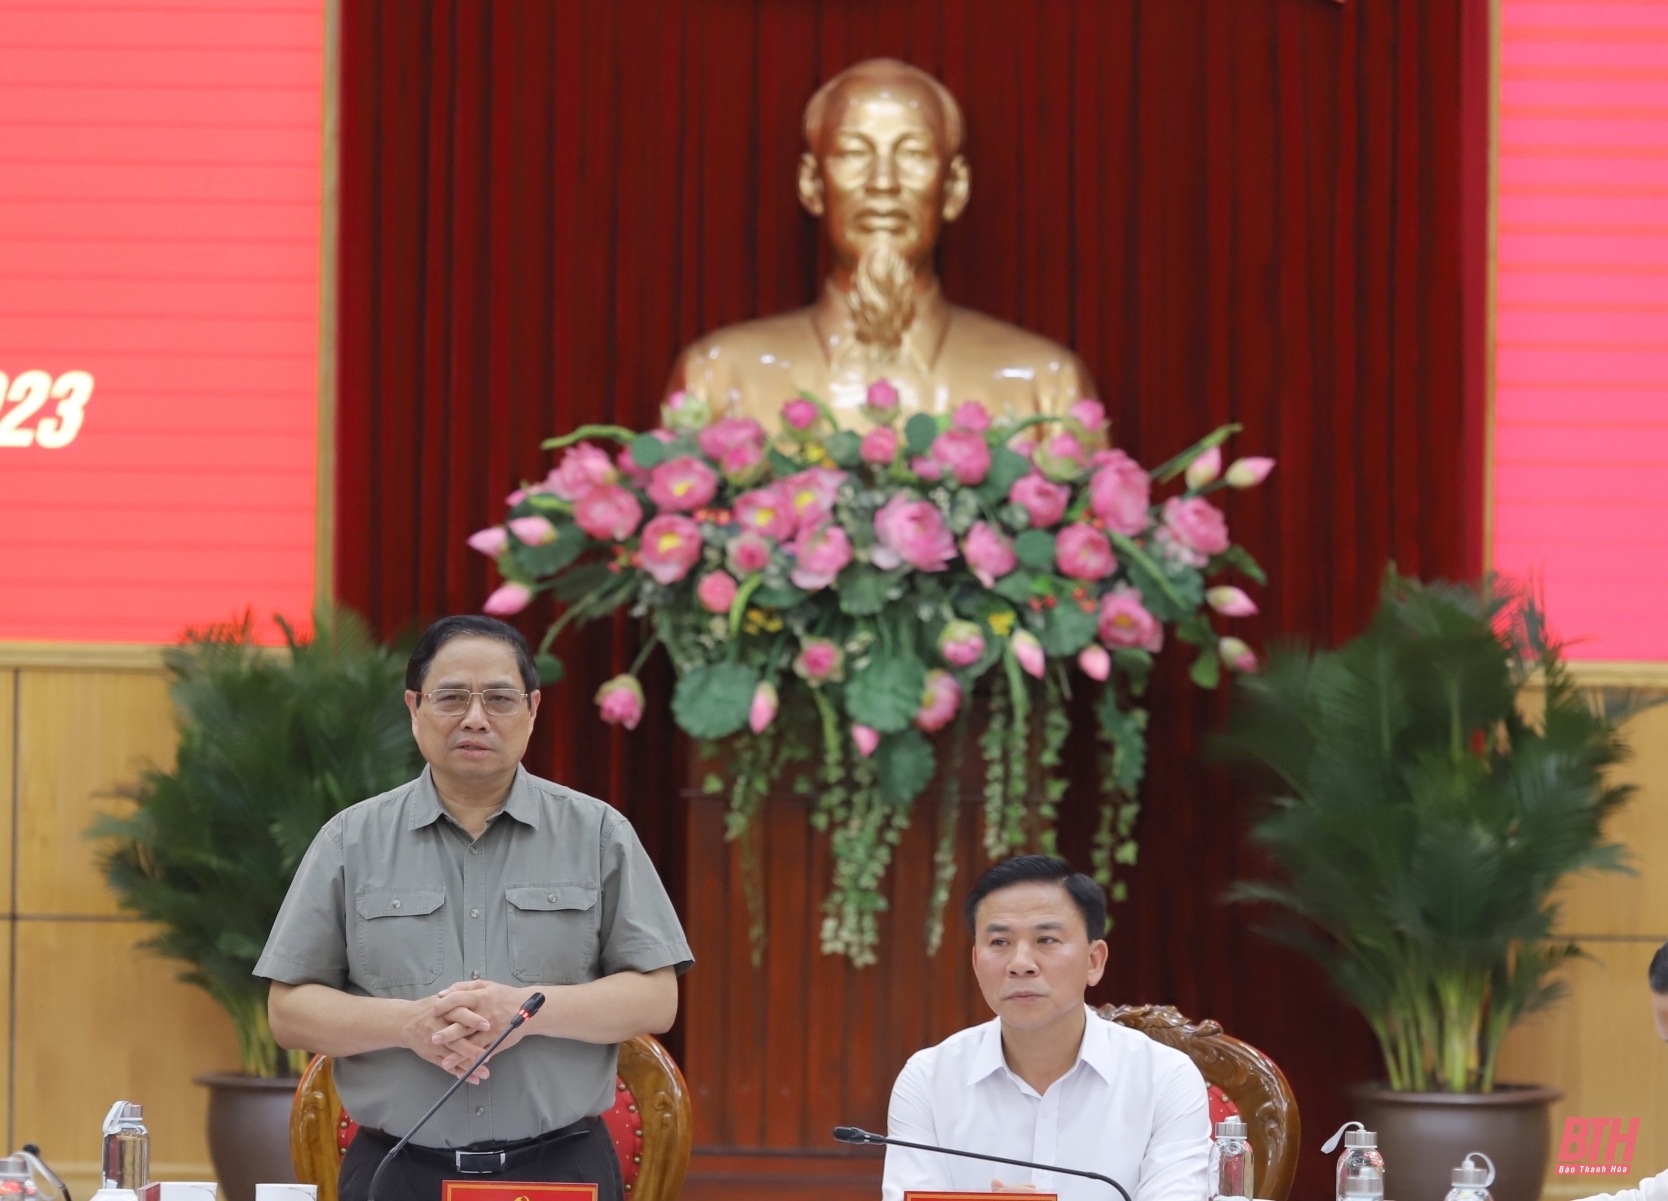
777	1056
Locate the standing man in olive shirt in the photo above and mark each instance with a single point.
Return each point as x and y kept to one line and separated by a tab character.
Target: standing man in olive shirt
421	919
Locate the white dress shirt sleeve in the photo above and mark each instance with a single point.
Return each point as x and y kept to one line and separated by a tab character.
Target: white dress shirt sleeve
909	1116
1176	1163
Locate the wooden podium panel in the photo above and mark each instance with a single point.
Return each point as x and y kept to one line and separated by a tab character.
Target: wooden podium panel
777	1056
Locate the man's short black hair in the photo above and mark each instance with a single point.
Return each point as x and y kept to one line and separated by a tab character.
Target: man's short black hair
469	625
1043	869
1659	970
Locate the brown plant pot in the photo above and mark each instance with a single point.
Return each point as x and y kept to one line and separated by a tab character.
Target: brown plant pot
1424	1136
249	1131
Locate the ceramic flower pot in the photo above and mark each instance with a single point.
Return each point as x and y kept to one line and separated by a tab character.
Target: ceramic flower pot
249	1131
1424	1136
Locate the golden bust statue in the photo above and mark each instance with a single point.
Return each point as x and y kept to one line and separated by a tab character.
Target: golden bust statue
883	174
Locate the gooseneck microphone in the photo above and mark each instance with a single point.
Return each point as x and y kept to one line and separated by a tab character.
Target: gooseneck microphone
851	1134
528	1008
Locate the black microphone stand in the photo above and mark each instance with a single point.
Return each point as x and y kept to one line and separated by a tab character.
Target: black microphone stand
529	1007
851	1134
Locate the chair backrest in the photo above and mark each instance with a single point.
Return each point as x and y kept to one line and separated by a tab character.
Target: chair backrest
1253	1082
651	1122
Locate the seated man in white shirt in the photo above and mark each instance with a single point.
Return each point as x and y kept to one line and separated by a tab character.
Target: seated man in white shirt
1048	1081
1651	1188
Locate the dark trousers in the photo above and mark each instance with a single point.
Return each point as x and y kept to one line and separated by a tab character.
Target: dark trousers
587	1158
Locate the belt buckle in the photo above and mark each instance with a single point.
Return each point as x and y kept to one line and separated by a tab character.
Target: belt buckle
481	1163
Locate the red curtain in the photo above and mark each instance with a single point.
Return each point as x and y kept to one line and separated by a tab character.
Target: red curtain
1235	210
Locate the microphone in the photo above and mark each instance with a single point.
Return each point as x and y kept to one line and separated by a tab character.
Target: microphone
851	1134
528	1008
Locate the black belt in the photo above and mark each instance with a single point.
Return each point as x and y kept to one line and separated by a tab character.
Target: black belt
484	1159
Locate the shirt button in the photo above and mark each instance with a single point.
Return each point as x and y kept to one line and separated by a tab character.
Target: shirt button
551	897
474	975
474	913
474	850
396	904
479	1110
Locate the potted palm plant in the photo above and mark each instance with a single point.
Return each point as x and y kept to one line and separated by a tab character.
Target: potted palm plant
271	745
1423	816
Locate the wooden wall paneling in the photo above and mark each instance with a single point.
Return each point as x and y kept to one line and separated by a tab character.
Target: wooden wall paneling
8	903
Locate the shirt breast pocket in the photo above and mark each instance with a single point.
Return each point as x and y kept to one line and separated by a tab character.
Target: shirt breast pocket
553	932
402	936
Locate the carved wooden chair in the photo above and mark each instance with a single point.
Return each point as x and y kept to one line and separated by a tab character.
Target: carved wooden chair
650	1124
1251	1080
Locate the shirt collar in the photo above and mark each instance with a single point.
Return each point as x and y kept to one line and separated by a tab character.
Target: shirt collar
837	333
426	809
1095	1049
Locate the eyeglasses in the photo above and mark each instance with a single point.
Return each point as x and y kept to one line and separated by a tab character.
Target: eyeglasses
454	702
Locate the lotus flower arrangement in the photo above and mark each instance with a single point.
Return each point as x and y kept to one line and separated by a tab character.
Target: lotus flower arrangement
833	601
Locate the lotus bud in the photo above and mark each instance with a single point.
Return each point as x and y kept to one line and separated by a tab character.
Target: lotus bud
620	701
508	600
491	541
800	417
1231	602
1238	656
716	591
1029	652
534	531
1095	662
1205	468
1248	473
881	403
866	738
763	710
685	412
961	643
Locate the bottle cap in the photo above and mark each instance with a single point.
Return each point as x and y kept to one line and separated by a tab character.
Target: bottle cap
14	1167
1470	1175
123	1113
1232	1128
1360	1138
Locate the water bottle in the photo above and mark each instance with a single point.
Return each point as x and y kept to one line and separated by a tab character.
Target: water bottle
1231	1166
16	1180
1470	1181
1360	1167
127	1147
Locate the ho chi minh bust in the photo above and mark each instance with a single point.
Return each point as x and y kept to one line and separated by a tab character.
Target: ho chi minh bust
883	174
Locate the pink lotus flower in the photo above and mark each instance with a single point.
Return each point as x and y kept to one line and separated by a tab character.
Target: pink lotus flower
534	531
1248	473
820	660
961	643
1024	446
1090	415
926	468
521	494
747	553
1125	622
1230	601
763	709
620	701
972	416
767	511
913	532
1083	553
812	494
963	454
1196	527
1045	502
608	513
716	591
1204	468
508	600
720	436
1095	662
1237	656
880	445
670	546
584	467
1062	457
881	403
743	463
491	541
1029	652
867	739
988	553
939	701
1120	493
800	415
820	554
682	484
685	412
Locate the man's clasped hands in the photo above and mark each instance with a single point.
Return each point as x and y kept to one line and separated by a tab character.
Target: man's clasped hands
453	1027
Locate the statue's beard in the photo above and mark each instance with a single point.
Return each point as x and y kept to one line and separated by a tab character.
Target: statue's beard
882	298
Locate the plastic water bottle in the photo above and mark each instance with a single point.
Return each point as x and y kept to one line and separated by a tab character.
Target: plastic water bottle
1360	1167
127	1147
1232	1170
1471	1181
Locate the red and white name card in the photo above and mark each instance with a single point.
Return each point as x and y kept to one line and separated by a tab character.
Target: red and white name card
923	1196
509	1190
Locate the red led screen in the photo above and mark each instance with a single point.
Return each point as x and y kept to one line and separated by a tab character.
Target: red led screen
159	282
1581	380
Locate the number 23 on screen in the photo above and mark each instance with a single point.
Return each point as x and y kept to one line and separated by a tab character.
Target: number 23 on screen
22	399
